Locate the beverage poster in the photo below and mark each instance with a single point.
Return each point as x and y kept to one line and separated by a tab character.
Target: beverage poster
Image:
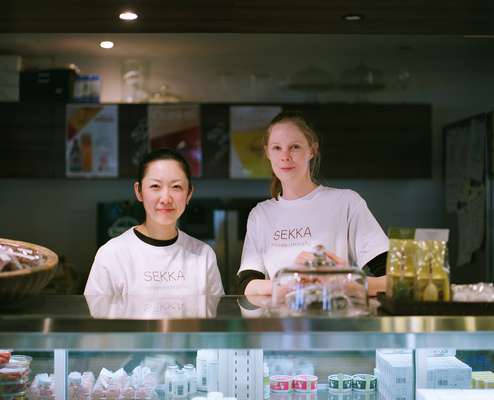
247	128
91	146
177	126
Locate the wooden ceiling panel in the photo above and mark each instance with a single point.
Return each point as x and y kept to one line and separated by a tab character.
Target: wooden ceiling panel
252	16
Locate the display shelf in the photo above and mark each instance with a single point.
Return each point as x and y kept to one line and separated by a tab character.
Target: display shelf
74	322
88	335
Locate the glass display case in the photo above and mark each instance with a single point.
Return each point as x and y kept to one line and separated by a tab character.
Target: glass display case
234	347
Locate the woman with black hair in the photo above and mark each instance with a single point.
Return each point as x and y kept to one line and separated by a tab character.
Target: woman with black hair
155	257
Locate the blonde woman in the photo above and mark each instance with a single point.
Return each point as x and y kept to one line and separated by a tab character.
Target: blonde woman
283	230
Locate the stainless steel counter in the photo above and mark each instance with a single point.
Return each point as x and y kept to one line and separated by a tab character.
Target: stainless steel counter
76	322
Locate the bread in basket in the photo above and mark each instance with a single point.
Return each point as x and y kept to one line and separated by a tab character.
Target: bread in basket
16	284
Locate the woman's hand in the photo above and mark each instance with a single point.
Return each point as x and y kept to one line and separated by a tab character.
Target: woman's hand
306	256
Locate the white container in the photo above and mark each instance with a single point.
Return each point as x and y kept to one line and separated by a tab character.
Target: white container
170	373
191	376
76	390
203	356
215	396
179	385
212	375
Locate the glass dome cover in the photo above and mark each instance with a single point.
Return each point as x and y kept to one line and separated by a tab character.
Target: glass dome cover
320	287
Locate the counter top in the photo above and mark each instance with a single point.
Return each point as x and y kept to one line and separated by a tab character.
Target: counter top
60	313
105	323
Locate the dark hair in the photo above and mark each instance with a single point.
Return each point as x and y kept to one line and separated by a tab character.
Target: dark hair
163	154
296	118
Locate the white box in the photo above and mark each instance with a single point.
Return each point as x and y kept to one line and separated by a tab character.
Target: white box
448	372
454	394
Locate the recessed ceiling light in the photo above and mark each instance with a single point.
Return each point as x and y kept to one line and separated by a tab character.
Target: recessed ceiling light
106	44
353	17
128	15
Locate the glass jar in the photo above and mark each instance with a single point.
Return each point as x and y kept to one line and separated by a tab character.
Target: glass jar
320	287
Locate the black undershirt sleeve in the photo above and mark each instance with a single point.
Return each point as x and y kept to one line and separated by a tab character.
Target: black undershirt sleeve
377	266
246	276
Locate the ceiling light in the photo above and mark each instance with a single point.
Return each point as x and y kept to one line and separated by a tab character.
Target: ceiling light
353	17
106	44
128	16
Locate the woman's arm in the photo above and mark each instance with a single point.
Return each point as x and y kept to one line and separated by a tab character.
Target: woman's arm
375	285
259	287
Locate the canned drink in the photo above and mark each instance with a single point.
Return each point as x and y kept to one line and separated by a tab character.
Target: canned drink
364	382
339	383
280	383
305	383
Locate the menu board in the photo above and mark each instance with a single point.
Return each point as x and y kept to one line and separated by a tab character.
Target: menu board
177	126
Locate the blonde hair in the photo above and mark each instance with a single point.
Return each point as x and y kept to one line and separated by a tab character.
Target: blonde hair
312	138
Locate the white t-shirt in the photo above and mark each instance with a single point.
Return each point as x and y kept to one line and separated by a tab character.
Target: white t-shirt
278	230
126	265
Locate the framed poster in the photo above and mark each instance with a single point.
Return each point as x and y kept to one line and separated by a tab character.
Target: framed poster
177	126
91	141
247	128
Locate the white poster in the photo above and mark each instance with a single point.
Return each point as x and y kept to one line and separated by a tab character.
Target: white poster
91	146
247	128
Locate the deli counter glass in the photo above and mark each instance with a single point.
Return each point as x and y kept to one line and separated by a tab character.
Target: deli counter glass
76	347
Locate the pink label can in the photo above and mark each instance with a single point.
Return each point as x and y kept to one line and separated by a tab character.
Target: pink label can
305	383
280	383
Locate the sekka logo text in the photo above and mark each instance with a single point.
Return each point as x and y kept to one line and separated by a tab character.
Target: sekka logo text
295	233
164	276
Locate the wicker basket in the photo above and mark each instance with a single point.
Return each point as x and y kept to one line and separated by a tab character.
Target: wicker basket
15	285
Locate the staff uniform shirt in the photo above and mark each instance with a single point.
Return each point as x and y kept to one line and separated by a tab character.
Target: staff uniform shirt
127	265
339	219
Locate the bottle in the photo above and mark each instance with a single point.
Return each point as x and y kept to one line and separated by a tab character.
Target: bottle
430	291
191	376
179	385
75	158
170	373
87	151
265	381
212	375
201	364
75	389
440	272
46	389
404	280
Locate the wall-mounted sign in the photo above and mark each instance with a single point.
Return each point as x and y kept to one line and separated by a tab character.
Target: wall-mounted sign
91	141
247	128
177	126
